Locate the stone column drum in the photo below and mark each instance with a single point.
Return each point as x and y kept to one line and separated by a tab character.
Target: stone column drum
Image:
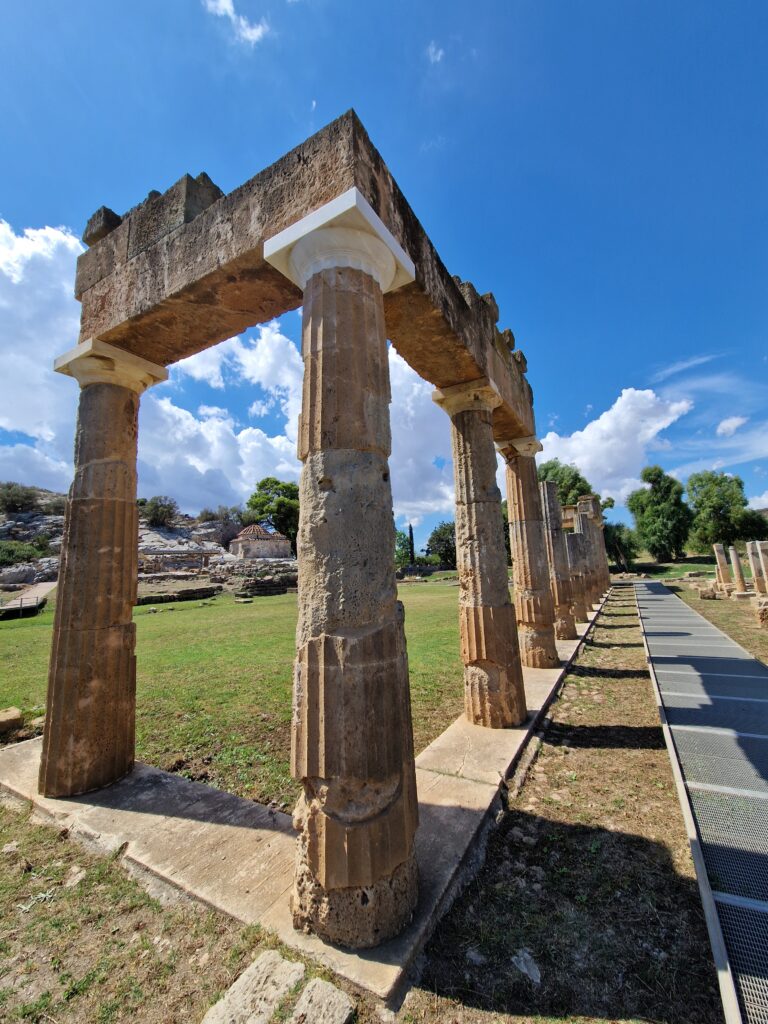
90	718
738	574
352	738
557	556
583	526
762	553
758	579
590	504
722	571
493	677
574	544
533	596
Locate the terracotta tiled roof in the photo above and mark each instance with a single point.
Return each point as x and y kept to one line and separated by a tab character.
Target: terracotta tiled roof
257	531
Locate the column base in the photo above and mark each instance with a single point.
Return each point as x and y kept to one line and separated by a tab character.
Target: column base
358	917
491	698
537	647
565	627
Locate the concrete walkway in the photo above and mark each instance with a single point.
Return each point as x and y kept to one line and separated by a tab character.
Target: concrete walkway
35	595
713	701
238	856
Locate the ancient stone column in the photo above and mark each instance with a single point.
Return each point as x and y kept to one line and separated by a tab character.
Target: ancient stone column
90	719
574	544
738	575
758	578
583	526
590	504
352	739
493	677
762	554
533	596
557	556
723	571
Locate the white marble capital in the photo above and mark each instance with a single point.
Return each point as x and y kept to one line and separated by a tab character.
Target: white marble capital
96	362
520	446
476	395
345	232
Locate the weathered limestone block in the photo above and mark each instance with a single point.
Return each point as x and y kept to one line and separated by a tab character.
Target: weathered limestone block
761	547
583	525
574	545
257	993
557	556
89	734
533	596
494	695
722	569
589	504
738	574
323	1003
758	578
352	738
10	719
761	614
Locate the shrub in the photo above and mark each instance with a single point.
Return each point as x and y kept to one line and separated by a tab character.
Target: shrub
12	552
17	498
161	510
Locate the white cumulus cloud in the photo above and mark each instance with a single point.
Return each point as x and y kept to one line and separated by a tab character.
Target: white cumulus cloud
435	53
246	31
729	426
612	449
759	501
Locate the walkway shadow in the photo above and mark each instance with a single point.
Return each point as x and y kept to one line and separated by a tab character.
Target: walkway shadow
606	737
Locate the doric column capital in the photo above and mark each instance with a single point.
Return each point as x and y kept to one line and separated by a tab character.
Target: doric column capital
477	395
96	362
345	232
529	446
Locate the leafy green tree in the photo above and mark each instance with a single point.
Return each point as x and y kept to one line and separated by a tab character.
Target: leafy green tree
571	485
505	524
17	498
662	518
411	548
275	503
720	511
442	542
402	549
621	545
160	510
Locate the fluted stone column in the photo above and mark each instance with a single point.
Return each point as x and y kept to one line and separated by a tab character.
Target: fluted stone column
574	544
352	738
762	554
738	574
590	504
493	677
723	571
758	578
583	525
90	718
557	556
533	596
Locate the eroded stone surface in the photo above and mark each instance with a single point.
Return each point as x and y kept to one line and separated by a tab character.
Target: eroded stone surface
574	545
758	577
723	572
257	993
557	557
738	573
323	1003
10	718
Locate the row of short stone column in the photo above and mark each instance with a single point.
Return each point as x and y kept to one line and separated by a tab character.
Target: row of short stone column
729	575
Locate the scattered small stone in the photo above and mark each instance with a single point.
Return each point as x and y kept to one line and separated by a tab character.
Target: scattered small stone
152	611
525	963
10	718
75	875
38	723
476	958
11	848
323	1003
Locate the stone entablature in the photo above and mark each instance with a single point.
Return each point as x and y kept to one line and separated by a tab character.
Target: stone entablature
257	542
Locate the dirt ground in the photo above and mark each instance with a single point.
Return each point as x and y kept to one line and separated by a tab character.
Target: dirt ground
586	910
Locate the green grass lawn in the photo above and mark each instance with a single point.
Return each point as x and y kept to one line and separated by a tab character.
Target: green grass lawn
214	683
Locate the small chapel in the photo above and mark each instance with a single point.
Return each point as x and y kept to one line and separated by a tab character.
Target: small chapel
255	541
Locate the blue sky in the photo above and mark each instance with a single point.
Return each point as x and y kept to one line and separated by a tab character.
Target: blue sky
601	167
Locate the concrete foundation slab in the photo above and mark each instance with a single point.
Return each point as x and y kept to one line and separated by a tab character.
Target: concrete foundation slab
238	857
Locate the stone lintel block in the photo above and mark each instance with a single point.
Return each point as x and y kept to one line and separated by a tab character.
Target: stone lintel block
159	214
207	279
100	224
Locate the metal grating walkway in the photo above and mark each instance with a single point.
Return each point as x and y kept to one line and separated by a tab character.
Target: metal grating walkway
713	701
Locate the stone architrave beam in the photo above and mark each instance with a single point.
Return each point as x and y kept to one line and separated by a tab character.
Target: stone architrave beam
352	738
758	577
494	695
738	573
723	571
557	556
533	595
574	543
186	269
89	725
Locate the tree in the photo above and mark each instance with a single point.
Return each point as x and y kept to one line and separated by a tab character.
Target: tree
402	549
505	524
17	498
662	518
442	542
720	511
620	545
160	510
571	485
411	549
275	503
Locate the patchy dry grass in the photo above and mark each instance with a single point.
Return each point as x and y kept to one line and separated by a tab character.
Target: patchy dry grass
736	618
589	870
